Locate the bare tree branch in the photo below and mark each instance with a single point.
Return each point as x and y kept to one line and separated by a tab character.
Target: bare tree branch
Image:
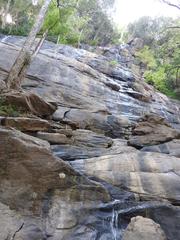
172	4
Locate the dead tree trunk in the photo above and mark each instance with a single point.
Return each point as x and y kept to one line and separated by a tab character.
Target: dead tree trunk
22	62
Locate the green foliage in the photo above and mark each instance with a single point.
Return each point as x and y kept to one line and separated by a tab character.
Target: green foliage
147	57
99	27
161	53
149	29
59	24
157	78
73	22
22	13
8	109
113	63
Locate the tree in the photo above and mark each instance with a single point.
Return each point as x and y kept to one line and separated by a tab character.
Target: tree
160	56
4	14
68	23
63	22
99	28
172	3
149	29
22	62
19	16
82	21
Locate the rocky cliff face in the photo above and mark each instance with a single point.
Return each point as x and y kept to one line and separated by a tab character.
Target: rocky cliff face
102	149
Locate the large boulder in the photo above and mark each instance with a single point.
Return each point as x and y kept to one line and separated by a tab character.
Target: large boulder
143	228
26	124
38	190
27	164
152	130
29	102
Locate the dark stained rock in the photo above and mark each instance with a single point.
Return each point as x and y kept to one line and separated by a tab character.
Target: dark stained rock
161	213
26	124
90	139
94	145
30	102
2	85
84	144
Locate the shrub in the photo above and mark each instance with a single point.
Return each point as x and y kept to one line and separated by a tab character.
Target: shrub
8	109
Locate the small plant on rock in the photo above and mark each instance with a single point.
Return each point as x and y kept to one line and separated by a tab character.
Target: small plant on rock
8	109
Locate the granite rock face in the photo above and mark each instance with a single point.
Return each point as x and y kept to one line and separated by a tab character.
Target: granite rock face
94	94
83	181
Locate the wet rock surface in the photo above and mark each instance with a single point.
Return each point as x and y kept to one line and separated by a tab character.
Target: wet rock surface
150	175
172	148
84	90
77	177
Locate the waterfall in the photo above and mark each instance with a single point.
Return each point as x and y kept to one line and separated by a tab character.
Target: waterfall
114	224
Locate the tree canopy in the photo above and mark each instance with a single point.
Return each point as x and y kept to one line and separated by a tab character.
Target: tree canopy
70	21
77	22
161	52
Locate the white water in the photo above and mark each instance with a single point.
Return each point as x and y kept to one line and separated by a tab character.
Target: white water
114	224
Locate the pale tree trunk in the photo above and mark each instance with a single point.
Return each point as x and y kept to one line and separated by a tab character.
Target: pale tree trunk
4	15
22	62
98	30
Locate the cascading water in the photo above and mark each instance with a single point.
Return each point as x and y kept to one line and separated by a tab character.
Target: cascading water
114	224
108	221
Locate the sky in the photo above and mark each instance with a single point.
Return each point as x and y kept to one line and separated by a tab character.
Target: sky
127	11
